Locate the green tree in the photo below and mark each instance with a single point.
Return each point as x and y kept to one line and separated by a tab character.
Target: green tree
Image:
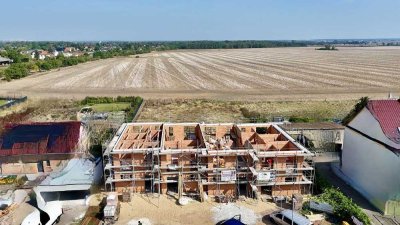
16	71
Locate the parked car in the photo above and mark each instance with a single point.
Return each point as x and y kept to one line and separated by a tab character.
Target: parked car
236	220
286	216
49	216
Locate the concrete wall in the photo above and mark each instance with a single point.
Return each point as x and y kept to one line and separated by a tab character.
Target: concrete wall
285	190
128	185
28	168
226	189
371	168
323	140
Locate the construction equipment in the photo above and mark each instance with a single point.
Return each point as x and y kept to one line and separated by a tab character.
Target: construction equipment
112	209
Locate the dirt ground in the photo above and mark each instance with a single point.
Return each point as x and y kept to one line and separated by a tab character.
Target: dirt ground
45	110
214	111
229	74
165	211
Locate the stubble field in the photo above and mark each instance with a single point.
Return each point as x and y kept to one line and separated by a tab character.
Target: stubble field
241	74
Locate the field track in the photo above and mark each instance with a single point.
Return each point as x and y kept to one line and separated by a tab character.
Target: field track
274	73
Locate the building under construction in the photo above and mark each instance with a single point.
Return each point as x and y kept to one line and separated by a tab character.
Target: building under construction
222	160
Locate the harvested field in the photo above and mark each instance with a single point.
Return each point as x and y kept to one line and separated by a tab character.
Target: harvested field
272	73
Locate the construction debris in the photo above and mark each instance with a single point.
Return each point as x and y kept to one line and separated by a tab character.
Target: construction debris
143	221
112	208
227	211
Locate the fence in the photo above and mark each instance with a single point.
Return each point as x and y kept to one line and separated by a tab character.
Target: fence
12	101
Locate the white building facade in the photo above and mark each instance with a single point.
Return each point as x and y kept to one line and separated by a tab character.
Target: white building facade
370	159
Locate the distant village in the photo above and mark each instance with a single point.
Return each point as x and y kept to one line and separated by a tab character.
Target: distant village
66	52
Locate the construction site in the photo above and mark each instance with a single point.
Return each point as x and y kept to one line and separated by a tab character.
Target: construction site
225	161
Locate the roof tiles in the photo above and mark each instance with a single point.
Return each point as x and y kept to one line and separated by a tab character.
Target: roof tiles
387	113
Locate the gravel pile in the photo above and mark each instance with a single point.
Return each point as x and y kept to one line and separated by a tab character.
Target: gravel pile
227	211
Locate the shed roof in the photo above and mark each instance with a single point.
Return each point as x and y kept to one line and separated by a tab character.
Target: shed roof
77	172
387	113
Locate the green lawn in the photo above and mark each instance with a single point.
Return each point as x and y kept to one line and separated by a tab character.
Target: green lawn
2	102
111	107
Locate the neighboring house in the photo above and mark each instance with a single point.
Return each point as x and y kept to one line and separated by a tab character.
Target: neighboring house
77	53
67	54
5	61
42	54
370	158
69	49
31	148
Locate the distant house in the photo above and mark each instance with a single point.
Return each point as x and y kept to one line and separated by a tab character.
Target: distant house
370	160
77	53
55	53
5	61
67	54
69	49
42	54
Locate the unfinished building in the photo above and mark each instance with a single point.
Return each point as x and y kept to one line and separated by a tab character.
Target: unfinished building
222	160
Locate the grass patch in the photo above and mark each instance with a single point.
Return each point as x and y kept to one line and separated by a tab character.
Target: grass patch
111	107
129	104
214	111
2	102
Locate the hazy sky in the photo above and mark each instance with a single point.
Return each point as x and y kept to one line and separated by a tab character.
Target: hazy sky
138	20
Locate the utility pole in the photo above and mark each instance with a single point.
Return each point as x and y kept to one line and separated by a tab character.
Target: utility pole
293	202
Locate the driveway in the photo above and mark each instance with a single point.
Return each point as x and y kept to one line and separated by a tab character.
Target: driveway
374	214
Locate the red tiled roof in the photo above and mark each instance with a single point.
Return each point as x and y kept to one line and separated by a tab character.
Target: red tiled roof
39	138
387	113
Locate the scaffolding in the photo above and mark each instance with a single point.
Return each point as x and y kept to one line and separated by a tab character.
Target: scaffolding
195	167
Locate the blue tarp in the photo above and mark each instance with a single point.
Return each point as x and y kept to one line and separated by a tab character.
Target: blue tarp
232	221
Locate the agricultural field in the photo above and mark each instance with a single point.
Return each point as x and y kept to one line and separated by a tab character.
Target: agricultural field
233	74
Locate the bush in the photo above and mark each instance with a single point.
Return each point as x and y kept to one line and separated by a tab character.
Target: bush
16	71
320	183
97	100
343	207
294	119
362	102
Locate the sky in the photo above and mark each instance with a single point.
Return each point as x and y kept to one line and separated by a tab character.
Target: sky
148	20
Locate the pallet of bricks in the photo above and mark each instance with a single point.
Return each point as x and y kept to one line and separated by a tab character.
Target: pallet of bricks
126	196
